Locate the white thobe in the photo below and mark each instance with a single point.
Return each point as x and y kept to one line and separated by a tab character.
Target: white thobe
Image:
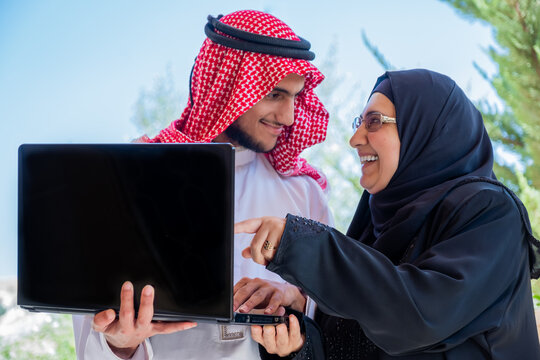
259	191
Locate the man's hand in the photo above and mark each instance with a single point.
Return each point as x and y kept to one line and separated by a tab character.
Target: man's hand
278	339
126	333
268	231
273	296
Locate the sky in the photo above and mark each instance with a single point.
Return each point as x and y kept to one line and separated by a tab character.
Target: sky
71	71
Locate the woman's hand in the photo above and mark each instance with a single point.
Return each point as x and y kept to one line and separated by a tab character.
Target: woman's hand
271	295
268	231
278	339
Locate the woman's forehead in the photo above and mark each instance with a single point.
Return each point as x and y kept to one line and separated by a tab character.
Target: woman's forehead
379	102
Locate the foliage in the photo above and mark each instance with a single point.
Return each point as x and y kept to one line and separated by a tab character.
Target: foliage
516	129
506	134
53	341
536	292
531	199
516	27
381	59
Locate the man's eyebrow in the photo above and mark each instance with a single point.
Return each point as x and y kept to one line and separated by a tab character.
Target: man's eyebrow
285	91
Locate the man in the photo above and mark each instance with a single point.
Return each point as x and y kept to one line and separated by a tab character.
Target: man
251	86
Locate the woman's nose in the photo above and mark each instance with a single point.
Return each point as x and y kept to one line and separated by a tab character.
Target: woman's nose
359	137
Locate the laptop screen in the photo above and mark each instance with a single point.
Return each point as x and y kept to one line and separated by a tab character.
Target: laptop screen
92	216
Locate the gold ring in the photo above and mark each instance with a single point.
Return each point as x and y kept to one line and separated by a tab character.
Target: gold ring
268	246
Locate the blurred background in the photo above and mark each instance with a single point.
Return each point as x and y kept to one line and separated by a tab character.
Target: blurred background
107	72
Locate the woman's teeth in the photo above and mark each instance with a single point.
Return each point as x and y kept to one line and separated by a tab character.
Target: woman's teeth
364	159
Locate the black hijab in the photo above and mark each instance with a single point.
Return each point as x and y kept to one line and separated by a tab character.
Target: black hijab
443	144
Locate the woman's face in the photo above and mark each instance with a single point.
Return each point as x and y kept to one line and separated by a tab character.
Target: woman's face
379	150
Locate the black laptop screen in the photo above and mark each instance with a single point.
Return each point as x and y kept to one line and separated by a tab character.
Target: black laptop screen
94	216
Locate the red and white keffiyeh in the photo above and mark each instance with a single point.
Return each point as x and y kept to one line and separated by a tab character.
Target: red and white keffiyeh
226	82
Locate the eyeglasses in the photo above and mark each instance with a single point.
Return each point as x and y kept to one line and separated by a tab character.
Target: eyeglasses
373	121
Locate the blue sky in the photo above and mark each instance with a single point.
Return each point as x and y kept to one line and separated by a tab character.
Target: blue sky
71	71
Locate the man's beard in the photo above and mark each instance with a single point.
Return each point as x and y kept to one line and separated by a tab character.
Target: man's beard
236	134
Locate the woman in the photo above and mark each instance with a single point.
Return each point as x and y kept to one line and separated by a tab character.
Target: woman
437	260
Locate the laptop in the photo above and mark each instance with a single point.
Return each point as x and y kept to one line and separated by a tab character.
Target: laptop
92	216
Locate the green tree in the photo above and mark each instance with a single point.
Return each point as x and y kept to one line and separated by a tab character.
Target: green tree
516	28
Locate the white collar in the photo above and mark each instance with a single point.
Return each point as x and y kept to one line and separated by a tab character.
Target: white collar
243	156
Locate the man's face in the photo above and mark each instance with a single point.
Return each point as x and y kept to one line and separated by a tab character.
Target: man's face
259	127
